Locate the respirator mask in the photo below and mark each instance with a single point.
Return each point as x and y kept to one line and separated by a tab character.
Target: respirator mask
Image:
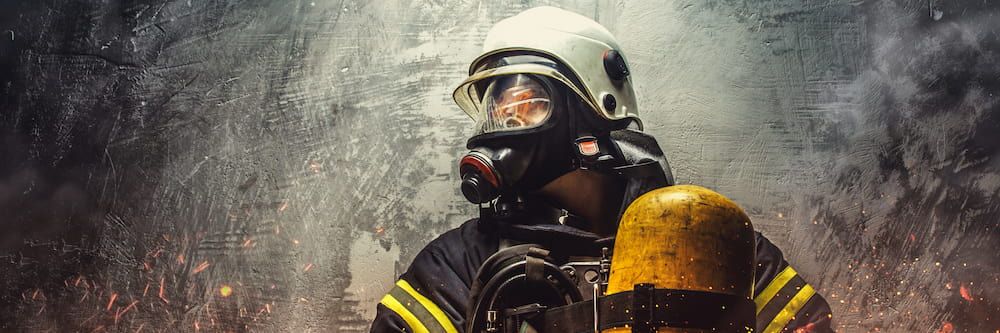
536	120
522	139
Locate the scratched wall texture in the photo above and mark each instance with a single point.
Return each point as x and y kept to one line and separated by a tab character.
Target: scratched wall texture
242	165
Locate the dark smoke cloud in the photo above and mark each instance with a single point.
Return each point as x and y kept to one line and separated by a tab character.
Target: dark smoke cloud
914	196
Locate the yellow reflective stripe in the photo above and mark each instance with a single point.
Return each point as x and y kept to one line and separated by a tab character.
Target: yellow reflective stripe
790	310
430	306
772	288
394	305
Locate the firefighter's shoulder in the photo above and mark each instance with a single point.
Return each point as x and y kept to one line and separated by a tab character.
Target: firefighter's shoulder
430	295
784	301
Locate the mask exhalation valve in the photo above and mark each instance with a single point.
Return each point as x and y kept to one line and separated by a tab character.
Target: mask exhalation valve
480	182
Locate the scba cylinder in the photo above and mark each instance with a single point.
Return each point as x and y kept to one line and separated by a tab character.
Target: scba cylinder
687	238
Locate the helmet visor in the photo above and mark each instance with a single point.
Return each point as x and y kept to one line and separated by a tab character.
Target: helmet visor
514	102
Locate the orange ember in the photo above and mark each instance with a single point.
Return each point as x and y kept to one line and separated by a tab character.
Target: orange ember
111	302
964	291
201	267
806	329
946	327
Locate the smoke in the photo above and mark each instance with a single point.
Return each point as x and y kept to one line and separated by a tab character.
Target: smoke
913	196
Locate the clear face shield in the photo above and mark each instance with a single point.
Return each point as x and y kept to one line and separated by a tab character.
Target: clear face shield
513	103
515	93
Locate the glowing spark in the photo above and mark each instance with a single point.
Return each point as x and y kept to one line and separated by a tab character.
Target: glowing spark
247	242
89	319
201	267
964	291
111	302
307	268
225	290
161	291
258	314
129	307
806	329
946	327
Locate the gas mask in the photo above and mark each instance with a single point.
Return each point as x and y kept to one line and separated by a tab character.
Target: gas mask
534	123
523	138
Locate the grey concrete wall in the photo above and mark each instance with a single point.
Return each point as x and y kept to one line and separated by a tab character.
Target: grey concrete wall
299	153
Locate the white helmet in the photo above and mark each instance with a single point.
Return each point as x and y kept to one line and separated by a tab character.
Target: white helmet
589	61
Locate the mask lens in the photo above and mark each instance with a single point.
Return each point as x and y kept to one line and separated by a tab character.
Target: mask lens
514	102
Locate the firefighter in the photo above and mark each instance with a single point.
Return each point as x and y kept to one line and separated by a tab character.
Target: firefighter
557	158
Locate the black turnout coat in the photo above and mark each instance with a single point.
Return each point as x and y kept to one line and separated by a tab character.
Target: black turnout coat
433	294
